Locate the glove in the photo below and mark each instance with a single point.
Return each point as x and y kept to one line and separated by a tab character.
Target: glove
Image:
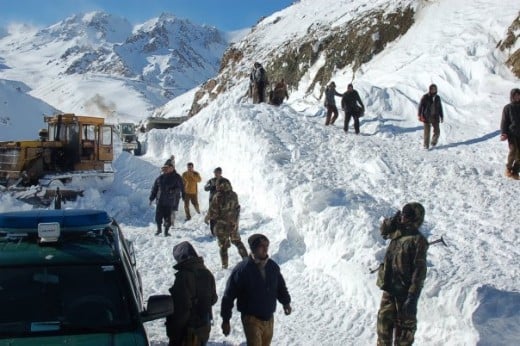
287	309
183	196
421	118
503	136
226	328
206	220
441	120
410	305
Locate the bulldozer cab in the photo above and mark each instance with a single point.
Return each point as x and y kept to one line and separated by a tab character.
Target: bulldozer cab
87	141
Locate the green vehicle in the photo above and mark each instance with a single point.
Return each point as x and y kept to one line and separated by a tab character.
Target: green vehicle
69	277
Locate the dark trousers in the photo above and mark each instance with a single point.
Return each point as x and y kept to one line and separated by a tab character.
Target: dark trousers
513	158
427	131
347	121
331	110
163	212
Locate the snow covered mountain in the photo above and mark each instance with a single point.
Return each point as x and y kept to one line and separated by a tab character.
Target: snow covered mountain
88	63
320	194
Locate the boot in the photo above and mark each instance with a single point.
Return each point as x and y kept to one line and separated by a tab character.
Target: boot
159	231
512	174
166	230
224	258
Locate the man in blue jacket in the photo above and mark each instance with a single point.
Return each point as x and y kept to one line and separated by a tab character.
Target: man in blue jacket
256	283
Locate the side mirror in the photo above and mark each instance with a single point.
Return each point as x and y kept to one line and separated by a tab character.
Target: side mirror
157	307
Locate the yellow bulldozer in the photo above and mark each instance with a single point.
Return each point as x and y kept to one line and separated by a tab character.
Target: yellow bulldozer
73	153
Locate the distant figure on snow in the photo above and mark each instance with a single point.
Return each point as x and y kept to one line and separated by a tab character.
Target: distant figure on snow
353	107
330	103
510	131
167	189
191	178
279	93
257	83
430	113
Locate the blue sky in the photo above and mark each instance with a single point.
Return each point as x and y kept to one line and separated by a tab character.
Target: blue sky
226	15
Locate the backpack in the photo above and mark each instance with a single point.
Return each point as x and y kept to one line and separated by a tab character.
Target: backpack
201	314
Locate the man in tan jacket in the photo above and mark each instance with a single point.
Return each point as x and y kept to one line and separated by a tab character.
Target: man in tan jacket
191	178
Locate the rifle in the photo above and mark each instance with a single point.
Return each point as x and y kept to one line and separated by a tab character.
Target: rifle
436	241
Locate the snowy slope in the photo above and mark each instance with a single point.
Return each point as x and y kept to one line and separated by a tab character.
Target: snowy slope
320	194
97	63
21	116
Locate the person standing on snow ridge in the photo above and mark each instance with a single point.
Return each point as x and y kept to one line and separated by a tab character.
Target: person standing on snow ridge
167	189
353	107
431	114
191	178
401	276
279	93
257	83
510	131
211	186
224	211
330	103
193	294
257	284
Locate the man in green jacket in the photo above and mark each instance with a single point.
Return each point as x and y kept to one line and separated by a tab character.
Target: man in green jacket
401	276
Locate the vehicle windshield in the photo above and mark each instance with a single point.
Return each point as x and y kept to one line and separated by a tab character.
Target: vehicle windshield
63	299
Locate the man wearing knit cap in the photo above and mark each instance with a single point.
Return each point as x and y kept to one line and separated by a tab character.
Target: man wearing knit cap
258	284
193	295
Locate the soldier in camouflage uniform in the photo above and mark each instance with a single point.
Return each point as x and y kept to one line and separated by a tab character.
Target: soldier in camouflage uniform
401	276
224	209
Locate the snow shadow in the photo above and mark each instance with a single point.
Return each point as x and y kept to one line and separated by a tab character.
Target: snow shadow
484	138
497	318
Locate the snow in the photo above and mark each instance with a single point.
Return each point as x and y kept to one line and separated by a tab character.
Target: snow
320	194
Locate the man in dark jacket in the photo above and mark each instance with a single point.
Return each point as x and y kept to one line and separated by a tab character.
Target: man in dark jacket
401	276
510	131
353	107
193	294
211	186
167	190
431	114
330	103
257	284
257	83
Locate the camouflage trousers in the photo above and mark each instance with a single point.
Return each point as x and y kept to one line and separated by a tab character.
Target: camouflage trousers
258	332
227	234
392	325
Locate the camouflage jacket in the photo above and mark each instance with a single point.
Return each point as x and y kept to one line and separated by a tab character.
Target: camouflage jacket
224	207
404	268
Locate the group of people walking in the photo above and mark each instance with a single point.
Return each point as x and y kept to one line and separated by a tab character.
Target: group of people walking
256	283
350	103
